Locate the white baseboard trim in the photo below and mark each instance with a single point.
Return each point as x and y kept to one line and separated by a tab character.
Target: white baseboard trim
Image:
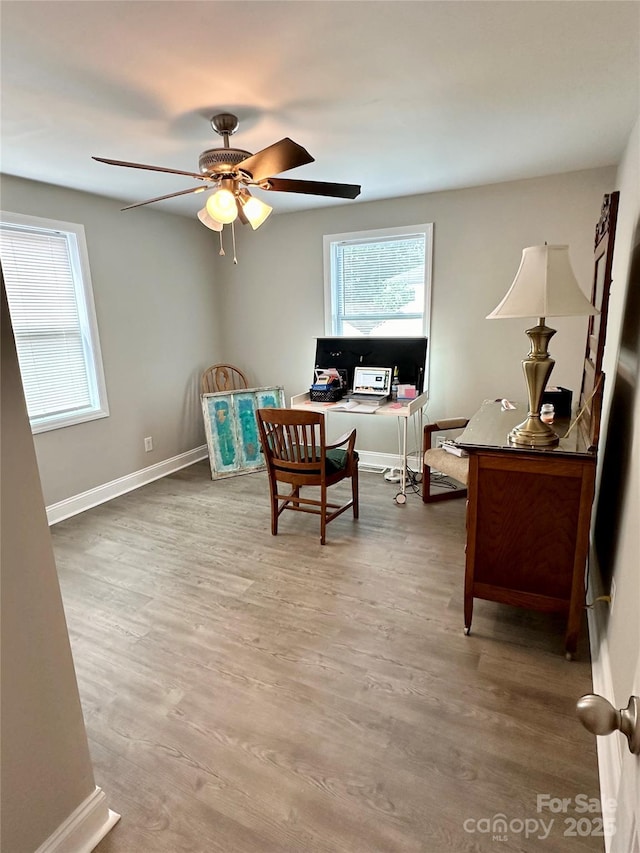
100	494
83	830
609	756
380	461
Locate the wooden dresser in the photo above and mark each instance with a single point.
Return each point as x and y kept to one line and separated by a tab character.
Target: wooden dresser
528	518
529	511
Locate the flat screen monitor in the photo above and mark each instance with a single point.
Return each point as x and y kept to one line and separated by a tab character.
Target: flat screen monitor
409	355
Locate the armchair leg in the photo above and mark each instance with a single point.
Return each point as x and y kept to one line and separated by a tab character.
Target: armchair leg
355	492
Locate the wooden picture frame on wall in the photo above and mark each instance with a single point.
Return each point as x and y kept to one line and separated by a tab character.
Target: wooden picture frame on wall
232	431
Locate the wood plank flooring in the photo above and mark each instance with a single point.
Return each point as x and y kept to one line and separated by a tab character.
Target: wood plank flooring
245	693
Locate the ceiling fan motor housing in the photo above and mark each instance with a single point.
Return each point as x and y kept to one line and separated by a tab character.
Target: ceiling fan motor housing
221	161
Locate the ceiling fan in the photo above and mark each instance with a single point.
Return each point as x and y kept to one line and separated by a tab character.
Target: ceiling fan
231	172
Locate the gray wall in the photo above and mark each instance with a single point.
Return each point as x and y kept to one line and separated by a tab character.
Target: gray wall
168	305
159	323
45	755
620	456
616	534
273	299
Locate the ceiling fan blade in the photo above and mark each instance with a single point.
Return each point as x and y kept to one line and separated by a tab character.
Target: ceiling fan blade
279	157
151	168
170	195
285	185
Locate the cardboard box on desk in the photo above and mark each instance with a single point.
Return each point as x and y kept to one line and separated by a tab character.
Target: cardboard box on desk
407	392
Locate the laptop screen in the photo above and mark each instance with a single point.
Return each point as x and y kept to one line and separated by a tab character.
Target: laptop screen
372	380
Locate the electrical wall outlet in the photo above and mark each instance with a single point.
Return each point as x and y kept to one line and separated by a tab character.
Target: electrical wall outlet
148	444
440	440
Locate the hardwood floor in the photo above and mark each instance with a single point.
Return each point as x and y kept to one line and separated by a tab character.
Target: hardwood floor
245	693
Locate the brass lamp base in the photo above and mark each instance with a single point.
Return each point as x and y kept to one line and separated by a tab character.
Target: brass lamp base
533	433
537	368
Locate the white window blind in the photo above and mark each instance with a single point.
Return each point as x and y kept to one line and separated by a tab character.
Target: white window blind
54	326
377	283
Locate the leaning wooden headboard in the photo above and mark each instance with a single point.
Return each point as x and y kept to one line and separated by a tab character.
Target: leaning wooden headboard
592	387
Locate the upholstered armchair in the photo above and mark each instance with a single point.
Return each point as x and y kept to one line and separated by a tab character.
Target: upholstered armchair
456	467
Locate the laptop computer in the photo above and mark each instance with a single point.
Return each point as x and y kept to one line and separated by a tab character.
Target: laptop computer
371	385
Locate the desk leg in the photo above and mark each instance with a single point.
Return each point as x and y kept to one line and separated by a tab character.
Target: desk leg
468	610
581	553
401	497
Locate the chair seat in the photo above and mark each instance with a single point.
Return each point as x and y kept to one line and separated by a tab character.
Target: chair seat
338	459
449	464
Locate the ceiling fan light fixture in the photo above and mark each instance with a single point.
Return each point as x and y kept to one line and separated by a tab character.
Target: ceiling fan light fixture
221	206
209	221
255	210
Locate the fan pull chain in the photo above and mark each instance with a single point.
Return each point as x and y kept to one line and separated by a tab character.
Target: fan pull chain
233	237
221	252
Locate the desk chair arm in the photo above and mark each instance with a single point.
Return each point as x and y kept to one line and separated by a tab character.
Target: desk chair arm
441	426
349	437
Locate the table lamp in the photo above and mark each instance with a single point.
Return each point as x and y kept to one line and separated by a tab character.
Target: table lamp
544	286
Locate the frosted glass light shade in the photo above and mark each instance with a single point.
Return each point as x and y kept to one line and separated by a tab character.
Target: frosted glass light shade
213	224
256	211
221	205
544	286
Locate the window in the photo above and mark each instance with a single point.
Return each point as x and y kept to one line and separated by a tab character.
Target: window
378	282
46	272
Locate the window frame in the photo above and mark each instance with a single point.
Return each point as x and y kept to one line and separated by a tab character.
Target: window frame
74	234
371	236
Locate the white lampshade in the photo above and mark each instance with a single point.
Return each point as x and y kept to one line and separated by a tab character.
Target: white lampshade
222	206
544	286
210	222
255	210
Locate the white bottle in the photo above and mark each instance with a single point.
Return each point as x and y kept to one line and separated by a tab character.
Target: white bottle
394	384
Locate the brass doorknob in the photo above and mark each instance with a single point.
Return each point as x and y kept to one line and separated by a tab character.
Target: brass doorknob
599	717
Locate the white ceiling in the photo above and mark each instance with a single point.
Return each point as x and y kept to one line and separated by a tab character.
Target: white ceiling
400	97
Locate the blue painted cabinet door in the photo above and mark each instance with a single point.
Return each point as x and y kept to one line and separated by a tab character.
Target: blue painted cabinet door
232	431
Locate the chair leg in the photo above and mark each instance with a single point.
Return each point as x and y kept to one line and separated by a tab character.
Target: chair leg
323	515
273	489
426	483
354	492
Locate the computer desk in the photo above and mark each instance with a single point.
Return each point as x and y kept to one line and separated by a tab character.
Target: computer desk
403	410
